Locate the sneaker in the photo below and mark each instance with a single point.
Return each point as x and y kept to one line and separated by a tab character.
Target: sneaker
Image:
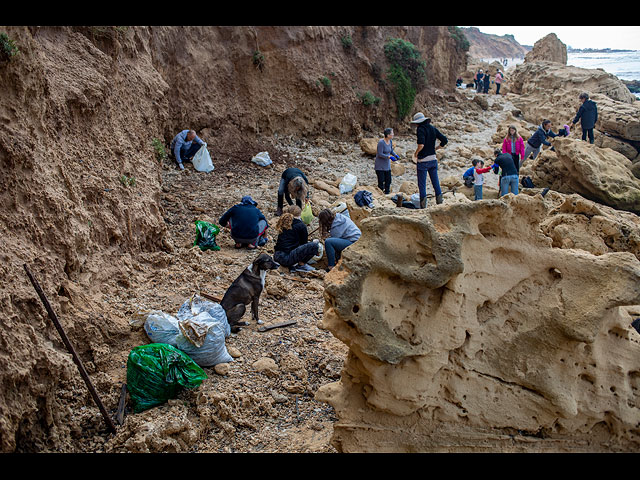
181	166
305	268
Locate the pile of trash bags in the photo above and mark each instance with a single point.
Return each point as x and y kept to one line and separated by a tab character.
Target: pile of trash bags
199	330
180	347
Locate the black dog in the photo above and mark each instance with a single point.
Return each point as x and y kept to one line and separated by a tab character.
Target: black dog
246	289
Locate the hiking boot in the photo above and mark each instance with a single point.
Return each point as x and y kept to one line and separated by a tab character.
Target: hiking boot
423	202
439	199
279	212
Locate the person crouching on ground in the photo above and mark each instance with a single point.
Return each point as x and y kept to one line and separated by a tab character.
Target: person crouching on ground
293	184
338	232
184	146
425	156
514	144
384	156
293	248
478	177
509	179
247	224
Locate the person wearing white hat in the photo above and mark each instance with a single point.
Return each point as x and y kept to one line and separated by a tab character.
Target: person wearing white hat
425	156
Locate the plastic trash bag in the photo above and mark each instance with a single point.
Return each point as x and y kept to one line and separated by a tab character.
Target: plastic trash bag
199	331
203	328
263	159
161	328
348	183
202	160
158	372
307	214
206	235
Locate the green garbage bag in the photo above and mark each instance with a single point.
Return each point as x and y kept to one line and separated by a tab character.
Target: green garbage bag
158	372
206	235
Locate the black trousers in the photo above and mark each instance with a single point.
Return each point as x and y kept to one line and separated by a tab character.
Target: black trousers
301	254
589	132
384	180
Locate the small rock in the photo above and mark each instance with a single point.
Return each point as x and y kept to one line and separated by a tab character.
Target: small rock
222	368
266	365
234	352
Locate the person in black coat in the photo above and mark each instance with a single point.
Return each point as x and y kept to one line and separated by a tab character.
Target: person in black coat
247	223
588	116
509	178
486	81
293	183
293	248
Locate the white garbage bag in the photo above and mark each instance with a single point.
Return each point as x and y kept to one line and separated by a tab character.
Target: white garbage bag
263	159
199	331
202	160
348	183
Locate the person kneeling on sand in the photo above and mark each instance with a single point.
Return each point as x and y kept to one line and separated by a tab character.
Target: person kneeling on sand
339	232
184	147
247	223
293	184
293	248
509	179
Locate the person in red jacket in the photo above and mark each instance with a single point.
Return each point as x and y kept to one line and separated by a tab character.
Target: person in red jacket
514	145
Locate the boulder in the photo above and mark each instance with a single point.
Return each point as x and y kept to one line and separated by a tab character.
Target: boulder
369	145
599	174
477	327
548	48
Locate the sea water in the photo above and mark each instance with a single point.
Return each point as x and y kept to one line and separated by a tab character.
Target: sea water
624	65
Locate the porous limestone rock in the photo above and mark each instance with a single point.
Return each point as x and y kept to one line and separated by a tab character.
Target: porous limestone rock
599	174
470	330
548	48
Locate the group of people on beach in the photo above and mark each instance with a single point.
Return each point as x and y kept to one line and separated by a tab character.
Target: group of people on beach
248	226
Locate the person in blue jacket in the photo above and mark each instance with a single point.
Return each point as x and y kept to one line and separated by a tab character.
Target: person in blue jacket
539	138
247	223
588	116
184	146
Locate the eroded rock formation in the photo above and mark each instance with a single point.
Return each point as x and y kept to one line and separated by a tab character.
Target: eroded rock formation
474	328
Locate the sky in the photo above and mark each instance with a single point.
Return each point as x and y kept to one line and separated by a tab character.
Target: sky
615	37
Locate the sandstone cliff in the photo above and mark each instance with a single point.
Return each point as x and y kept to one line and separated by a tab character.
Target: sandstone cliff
484	45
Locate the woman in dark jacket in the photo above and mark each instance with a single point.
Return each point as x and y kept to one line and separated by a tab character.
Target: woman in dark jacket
293	248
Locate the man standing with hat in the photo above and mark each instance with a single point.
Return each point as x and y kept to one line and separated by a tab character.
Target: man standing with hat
425	156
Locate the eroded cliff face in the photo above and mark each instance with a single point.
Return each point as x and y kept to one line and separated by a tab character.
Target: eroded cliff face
480	327
80	184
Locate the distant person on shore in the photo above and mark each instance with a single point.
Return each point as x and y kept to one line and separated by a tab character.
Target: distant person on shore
184	146
425	156
339	232
384	156
293	184
499	79
486	82
479	82
514	144
478	177
509	178
247	223
539	138
588	116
